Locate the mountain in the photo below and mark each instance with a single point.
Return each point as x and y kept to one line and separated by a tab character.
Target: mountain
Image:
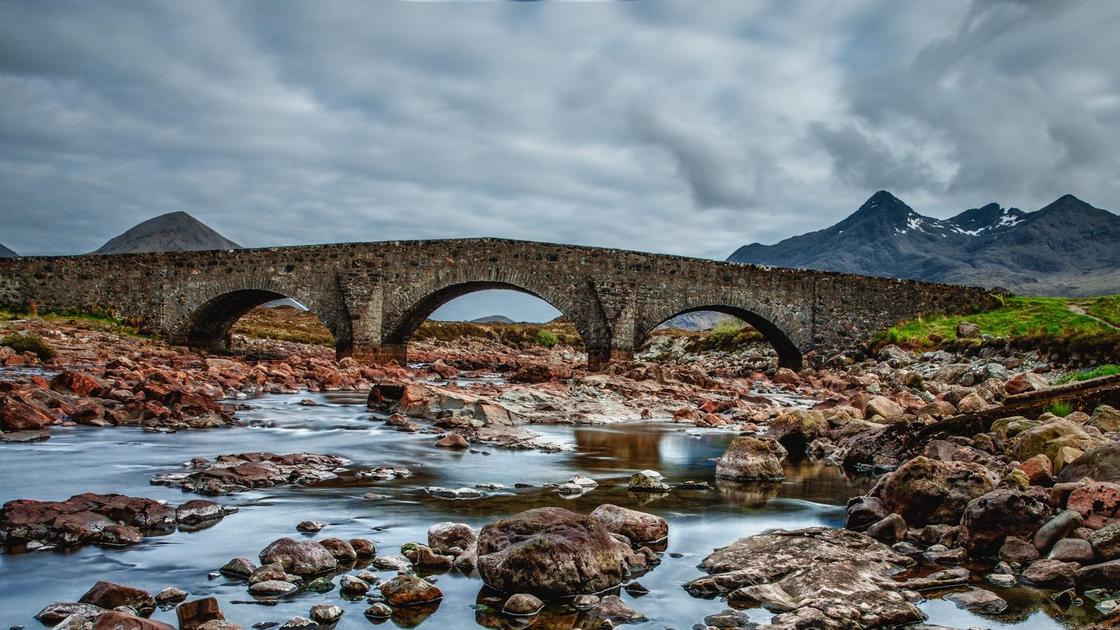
1067	248
7	253
492	319
695	321
172	232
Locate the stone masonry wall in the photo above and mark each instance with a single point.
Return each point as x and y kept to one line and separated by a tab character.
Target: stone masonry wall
373	295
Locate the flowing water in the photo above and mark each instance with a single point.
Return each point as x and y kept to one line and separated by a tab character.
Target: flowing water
122	460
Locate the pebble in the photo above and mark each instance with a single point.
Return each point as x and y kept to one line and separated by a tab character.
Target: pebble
311	526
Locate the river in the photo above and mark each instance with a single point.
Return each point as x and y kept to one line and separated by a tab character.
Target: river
123	460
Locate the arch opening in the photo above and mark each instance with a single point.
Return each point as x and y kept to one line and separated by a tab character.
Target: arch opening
256	314
788	354
495	311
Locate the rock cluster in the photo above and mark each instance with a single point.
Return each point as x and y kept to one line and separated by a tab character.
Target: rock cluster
103	519
238	472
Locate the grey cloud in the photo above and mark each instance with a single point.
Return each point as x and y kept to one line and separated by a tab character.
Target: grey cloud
675	126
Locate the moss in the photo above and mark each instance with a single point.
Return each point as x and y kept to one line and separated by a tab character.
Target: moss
29	343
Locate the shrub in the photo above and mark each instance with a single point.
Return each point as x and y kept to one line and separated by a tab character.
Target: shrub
1059	408
29	343
545	338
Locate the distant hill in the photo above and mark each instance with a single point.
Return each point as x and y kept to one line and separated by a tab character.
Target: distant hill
7	253
492	319
1067	248
696	321
172	232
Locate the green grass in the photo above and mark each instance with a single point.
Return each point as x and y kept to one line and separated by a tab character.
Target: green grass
1106	308
94	320
1018	317
1084	375
29	343
1059	408
546	338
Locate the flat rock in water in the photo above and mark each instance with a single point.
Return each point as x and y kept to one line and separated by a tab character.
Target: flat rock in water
847	584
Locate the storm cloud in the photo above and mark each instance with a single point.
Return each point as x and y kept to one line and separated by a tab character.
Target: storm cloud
670	126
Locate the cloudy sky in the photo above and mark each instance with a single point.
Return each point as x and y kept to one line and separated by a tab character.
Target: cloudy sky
687	127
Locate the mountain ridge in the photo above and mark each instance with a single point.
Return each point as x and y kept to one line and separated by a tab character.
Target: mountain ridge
1068	247
7	253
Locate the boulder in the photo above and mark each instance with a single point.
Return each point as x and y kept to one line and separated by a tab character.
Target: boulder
299	557
56	612
647	481
967	330
1039	470
926	491
1099	464
1098	503
847	584
1025	382
444	536
118	620
989	519
1050	574
340	549
1101	575
550	552
409	590
109	595
1072	550
522	605
796	428
1106	541
19	415
1106	418
638	527
1016	549
1051	436
978	600
193	614
1057	528
749	458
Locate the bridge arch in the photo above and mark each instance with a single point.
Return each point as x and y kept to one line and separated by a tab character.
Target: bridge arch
766	320
410	310
206	322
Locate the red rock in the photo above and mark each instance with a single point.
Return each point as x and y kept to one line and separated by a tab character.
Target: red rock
1098	503
19	415
786	376
109	595
453	440
195	613
78	383
115	620
1039	470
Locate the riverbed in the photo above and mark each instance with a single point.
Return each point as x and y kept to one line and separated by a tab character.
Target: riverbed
123	460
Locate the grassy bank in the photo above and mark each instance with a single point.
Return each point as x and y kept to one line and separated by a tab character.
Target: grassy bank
1064	325
93	321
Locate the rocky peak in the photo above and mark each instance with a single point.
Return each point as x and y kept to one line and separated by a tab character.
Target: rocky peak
171	232
989	218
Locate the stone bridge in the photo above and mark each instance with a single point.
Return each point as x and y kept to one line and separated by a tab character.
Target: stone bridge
372	296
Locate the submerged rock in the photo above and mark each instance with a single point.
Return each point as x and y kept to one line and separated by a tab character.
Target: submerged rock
409	590
244	471
647	481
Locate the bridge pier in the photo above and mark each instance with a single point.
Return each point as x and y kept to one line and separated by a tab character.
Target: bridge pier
381	353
